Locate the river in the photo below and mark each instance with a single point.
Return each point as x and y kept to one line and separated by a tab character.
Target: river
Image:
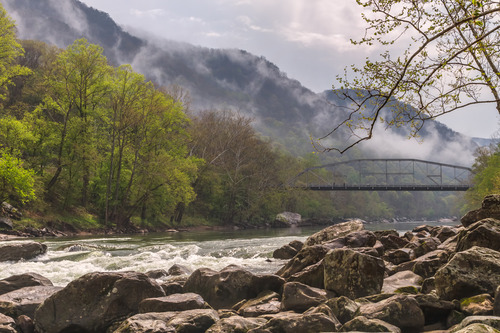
69	258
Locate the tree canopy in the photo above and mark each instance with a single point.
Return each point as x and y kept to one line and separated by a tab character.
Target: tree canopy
440	56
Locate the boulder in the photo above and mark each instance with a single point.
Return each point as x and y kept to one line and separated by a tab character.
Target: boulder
285	252
24	250
400	280
489	208
24	301
10	211
424	245
445	233
7	324
393	242
157	274
434	309
469	273
309	255
291	322
6	223
199	320
94	301
26	324
312	275
491	321
300	297
229	286
236	324
343	308
398	256
479	305
355	239
363	324
496	304
287	220
428	264
478	328
265	303
484	233
400	310
352	274
23	280
178	270
175	302
334	231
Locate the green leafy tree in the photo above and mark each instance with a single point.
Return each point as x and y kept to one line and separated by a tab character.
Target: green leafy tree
449	61
78	85
17	184
10	49
486	179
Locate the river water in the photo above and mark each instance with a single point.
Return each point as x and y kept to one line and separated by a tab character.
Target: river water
69	258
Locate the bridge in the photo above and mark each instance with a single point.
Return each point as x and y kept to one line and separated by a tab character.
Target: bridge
384	175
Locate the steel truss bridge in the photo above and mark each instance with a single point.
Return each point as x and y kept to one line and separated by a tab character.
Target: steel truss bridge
384	175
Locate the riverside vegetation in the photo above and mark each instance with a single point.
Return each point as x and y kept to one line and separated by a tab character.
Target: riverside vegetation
341	279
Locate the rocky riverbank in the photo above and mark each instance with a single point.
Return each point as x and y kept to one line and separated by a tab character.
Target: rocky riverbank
341	279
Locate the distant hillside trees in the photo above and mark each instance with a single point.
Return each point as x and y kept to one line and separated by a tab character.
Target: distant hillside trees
486	180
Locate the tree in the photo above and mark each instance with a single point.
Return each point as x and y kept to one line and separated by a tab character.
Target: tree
450	62
10	49
16	182
78	85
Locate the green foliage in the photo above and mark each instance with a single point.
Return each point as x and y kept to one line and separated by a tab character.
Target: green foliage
16	182
10	49
486	177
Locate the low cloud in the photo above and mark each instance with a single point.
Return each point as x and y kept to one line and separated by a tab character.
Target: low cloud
151	13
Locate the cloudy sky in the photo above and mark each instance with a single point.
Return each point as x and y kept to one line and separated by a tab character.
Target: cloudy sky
307	39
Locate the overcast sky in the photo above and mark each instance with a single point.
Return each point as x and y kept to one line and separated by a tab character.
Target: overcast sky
307	39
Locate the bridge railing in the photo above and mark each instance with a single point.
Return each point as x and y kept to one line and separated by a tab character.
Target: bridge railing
384	175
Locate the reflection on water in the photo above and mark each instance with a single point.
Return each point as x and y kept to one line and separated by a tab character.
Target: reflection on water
69	258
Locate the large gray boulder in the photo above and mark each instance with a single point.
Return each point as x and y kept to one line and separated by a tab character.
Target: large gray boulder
471	272
24	250
232	284
300	297
363	324
265	303
7	324
175	302
491	321
401	280
308	256
169	322
428	264
490	208
334	231
236	324
312	275
15	282
94	301
344	308
287	220
353	274
400	310
484	233
24	301
291	322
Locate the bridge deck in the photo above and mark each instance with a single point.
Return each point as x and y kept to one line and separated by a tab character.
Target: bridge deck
387	187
